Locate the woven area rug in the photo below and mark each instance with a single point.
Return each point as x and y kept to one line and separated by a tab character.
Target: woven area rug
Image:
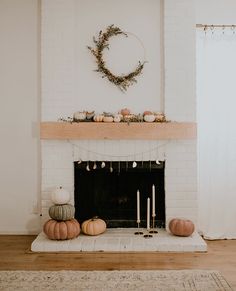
187	280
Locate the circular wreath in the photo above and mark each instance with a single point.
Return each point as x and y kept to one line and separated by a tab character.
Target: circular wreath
101	43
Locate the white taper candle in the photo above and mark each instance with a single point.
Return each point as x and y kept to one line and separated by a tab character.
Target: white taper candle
138	206
148	213
153	201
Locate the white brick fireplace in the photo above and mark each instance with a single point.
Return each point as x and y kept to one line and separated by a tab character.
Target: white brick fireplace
61	97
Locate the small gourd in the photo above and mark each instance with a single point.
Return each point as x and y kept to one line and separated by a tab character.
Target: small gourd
181	227
108	119
98	118
149	117
61	230
90	115
117	118
93	226
160	117
79	115
62	212
147	112
125	111
60	196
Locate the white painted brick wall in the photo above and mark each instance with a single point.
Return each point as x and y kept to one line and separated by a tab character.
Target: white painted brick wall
179	42
58	99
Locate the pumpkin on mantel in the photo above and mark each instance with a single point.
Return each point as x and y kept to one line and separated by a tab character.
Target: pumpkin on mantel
61	230
181	227
93	226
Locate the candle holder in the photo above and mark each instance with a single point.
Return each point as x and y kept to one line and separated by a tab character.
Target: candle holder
153	225
147	236
138	232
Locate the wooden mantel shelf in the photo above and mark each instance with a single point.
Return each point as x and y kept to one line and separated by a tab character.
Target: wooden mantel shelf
111	131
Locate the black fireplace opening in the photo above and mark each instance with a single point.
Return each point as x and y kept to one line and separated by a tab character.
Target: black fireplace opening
109	190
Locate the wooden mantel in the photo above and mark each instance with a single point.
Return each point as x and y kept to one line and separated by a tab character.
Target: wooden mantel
111	131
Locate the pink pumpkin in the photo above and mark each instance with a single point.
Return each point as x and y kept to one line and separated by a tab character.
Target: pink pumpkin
61	230
181	227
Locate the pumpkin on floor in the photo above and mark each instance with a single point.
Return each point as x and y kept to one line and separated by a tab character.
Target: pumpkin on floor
181	227
93	226
62	212
61	230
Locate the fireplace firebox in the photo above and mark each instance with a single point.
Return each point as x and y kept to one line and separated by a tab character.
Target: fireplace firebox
109	190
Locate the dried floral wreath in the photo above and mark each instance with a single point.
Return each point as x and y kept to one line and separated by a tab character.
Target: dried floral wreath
123	81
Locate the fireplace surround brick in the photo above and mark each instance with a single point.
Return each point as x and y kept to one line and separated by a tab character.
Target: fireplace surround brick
58	99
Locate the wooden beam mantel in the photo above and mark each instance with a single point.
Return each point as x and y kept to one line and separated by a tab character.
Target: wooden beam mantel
113	131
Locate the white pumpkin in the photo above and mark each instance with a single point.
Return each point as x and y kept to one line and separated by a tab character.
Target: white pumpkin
117	118
60	196
149	117
108	119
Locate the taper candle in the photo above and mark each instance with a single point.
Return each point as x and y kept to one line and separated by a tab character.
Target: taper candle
148	213
138	206
153	201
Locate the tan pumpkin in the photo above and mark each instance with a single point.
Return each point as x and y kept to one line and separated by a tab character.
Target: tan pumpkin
93	226
98	118
108	119
61	230
181	227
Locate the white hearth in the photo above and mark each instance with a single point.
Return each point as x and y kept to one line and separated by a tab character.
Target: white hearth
122	240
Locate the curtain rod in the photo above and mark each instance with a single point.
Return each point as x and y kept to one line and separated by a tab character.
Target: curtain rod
215	25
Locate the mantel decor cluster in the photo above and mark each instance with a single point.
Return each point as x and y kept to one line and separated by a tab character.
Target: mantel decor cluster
124	115
102	42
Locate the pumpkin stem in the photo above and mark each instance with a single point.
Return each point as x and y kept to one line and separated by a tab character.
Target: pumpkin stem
94	218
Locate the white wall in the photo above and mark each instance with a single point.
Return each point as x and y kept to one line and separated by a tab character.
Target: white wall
73	25
215	11
19	114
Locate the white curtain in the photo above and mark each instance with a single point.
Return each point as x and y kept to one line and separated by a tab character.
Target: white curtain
216	117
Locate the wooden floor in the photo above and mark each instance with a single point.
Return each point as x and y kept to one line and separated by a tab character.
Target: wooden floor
15	255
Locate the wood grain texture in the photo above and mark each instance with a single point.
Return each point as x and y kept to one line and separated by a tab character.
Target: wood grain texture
113	131
221	256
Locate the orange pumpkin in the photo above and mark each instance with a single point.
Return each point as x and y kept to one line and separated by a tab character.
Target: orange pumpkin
61	230
93	226
181	227
125	111
147	112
